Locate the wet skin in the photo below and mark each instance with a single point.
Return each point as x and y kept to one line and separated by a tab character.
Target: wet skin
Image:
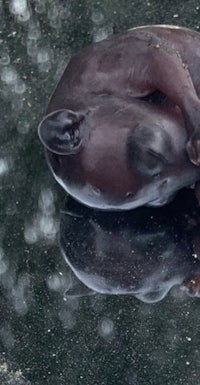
123	125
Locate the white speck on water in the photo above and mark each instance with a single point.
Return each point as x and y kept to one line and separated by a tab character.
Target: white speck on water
189	339
12	34
195	256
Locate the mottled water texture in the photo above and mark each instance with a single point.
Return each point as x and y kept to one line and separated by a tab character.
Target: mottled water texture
47	337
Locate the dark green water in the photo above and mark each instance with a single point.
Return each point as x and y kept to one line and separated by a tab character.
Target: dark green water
46	338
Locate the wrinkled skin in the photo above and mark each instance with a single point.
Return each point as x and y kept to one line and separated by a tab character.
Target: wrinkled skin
123	125
144	255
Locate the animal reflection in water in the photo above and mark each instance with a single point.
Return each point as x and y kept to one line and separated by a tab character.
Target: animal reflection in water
122	127
144	254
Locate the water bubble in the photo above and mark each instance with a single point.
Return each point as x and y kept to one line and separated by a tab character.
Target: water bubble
30	234
9	75
4	58
97	17
25	16
18	7
48	227
44	67
53	12
3	267
101	33
46	201
23	127
1	253
106	328
19	294
32	48
4	167
40	6
34	32
57	282
43	60
11	208
67	318
17	105
72	302
7	337
20	86
55	23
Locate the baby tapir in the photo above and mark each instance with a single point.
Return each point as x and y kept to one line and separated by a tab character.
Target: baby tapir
123	126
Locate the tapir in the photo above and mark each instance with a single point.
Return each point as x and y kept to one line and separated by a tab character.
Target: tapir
122	128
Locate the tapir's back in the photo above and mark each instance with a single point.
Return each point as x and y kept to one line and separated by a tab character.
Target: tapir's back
114	64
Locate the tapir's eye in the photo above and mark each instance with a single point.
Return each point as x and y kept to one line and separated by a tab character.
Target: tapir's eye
150	163
148	150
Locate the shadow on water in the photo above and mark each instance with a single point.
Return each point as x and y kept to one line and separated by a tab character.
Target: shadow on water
144	252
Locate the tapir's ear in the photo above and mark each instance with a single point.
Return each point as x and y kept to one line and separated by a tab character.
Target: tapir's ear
60	132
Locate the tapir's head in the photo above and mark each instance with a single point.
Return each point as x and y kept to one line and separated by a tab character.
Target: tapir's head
138	149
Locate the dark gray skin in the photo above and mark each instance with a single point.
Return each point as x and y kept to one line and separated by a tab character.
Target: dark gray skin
109	140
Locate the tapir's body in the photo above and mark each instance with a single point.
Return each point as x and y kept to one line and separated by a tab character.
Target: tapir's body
121	117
